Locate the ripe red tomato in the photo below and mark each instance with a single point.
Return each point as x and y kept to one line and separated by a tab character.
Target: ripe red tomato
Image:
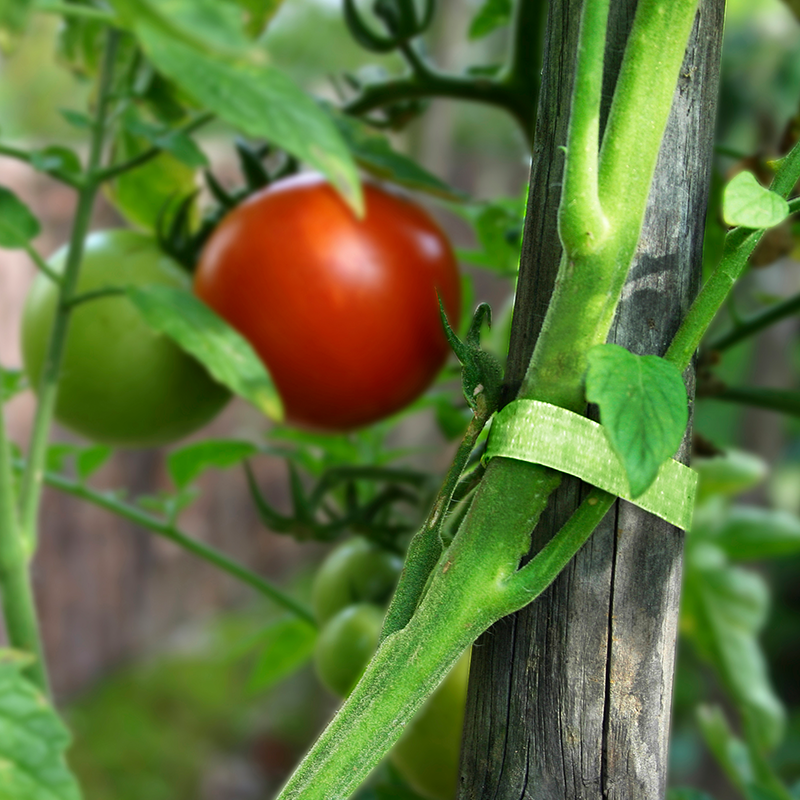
342	311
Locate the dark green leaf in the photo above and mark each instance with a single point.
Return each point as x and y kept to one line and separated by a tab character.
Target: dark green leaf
643	409
174	142
199	331
153	191
32	739
75	118
285	646
492	14
17	224
374	153
746	203
750	533
186	464
90	459
12	382
261	102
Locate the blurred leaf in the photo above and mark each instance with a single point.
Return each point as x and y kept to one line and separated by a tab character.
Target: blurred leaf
724	609
186	464
152	192
32	739
258	14
493	14
261	102
730	752
498	229
285	646
78	46
728	474
56	159
746	203
12	382
750	533
77	119
14	15
90	459
18	225
174	142
374	153
210	26
794	5
643	409
167	503
198	330
57	455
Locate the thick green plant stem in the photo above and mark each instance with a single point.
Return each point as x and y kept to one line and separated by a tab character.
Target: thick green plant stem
739	245
426	547
32	481
476	580
19	611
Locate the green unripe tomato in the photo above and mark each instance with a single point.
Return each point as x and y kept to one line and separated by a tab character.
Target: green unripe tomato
345	645
428	752
121	382
357	571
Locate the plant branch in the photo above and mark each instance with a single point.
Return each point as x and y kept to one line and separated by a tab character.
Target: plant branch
41	264
753	325
26	157
169	531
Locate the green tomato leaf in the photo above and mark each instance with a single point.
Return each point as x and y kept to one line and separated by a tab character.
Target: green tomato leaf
153	192
207	25
197	329
730	751
12	383
493	14
374	153
78	120
285	646
186	464
32	739
56	159
89	459
728	474
261	102
177	143
643	409
750	533
18	225
746	203
724	610
258	14
498	228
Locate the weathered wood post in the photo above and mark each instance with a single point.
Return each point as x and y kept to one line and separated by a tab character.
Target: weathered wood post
571	697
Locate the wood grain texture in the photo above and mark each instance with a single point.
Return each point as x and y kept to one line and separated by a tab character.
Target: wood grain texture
570	698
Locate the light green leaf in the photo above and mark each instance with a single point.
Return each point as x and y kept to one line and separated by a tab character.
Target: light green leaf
285	646
261	102
643	409
730	751
492	14
198	330
746	203
750	533
723	612
12	383
32	739
258	14
18	225
729	473
186	464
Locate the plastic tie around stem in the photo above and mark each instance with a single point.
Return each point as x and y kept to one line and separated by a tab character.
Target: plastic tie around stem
529	430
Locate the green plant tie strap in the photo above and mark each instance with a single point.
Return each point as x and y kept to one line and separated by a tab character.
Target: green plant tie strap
529	430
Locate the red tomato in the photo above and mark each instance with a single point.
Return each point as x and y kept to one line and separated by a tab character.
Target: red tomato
342	311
